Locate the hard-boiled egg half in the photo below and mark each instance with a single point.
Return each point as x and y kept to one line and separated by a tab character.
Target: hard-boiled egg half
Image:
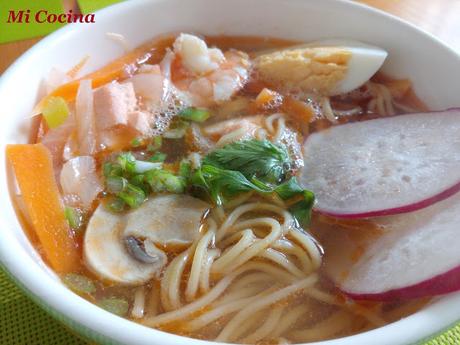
327	67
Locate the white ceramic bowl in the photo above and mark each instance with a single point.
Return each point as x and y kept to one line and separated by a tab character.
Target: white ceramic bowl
433	67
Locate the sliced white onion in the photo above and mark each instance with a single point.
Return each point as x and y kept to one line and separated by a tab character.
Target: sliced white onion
84	105
78	177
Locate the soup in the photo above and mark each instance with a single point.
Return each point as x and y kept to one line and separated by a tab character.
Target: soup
176	187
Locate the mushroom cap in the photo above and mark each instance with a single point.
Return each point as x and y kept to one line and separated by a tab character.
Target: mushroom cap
167	220
162	220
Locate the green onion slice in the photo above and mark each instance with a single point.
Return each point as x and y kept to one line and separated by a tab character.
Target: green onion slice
132	195
79	283
195	114
115	205
55	111
116	184
115	305
158	157
73	217
155	144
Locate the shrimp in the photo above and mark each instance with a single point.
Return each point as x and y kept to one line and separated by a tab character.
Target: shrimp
229	131
261	127
205	75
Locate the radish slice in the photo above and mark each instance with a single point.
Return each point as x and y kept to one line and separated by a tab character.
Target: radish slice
418	255
384	166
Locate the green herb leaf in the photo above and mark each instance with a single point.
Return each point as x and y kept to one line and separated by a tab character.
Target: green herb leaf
253	158
79	283
195	114
223	184
117	306
289	189
302	209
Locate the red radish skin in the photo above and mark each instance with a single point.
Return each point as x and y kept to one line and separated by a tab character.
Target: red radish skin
398	210
441	284
413	255
384	166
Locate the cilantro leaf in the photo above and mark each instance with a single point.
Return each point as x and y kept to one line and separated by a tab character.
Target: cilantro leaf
222	184
301	209
253	158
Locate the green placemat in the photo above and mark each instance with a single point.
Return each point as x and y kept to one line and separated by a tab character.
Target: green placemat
24	323
90	6
18	18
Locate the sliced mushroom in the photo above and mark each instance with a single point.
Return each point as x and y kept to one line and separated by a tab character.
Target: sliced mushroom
167	220
138	249
123	247
107	255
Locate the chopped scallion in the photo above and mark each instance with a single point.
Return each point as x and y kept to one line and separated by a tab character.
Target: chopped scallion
176	133
127	162
73	217
155	144
185	169
139	181
141	167
132	195
164	181
115	205
158	157
174	184
115	184
195	114
112	169
79	283
117	306
55	111
136	142
177	130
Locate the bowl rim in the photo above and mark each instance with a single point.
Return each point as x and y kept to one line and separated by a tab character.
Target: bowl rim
80	312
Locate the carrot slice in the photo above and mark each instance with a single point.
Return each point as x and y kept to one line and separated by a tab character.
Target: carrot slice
299	112
33	169
267	99
113	71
